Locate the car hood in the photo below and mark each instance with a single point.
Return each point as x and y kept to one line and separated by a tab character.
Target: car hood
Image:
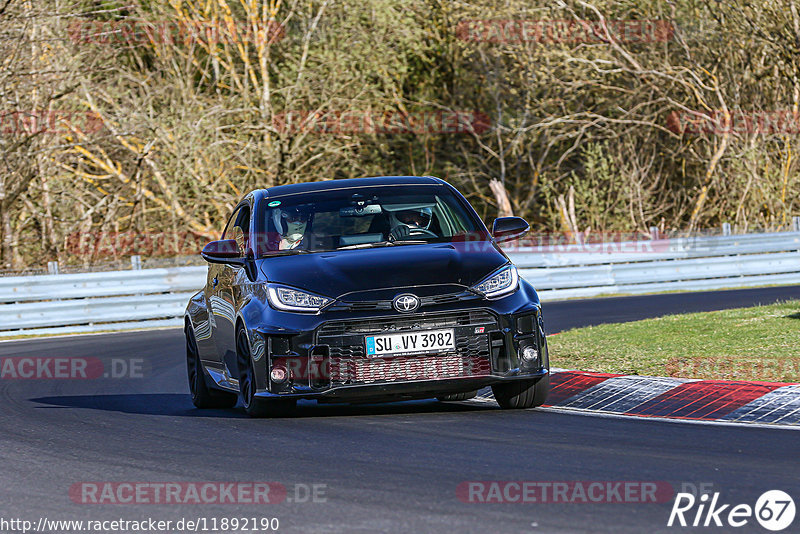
333	274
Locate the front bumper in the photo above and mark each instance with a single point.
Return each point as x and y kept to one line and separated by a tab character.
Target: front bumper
401	390
329	363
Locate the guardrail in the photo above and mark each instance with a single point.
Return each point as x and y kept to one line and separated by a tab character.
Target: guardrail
92	302
683	264
120	300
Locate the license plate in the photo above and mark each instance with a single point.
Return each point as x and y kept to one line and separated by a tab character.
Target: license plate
410	343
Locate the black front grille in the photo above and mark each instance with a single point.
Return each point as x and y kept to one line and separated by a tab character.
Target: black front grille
434	300
367	305
406	322
349	364
441	299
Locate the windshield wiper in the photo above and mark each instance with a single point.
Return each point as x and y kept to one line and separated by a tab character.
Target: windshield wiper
287	252
410	242
379	244
366	245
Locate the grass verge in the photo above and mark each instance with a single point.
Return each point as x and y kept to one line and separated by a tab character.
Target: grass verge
760	343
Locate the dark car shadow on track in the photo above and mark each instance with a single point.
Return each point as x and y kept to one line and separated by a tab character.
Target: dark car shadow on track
427	406
169	404
180	405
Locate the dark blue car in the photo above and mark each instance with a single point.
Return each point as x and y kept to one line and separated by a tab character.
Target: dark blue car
363	290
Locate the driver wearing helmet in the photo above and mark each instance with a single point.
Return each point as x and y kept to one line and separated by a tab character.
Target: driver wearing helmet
408	222
291	224
415	219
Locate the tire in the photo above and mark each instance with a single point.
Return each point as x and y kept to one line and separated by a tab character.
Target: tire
458	396
253	406
203	397
522	394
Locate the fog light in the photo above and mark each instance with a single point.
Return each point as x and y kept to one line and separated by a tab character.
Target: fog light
278	375
529	354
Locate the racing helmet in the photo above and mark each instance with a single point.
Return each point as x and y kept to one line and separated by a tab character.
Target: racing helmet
413	217
290	218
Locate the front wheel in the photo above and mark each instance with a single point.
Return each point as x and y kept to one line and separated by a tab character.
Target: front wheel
522	393
253	406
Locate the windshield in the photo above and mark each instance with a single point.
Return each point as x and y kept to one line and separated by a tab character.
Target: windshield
365	218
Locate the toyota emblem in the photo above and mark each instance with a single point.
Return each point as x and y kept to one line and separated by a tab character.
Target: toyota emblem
406	303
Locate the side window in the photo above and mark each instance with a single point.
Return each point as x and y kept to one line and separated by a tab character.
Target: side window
238	227
240	218
227	232
243	221
450	220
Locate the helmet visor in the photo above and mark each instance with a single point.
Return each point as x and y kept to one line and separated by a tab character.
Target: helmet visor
294	215
420	218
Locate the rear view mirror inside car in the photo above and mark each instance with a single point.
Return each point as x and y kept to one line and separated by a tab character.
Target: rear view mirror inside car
360	211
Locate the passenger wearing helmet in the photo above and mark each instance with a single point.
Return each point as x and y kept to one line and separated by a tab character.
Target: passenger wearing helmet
411	222
291	223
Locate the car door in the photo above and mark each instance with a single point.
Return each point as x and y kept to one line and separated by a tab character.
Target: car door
219	303
226	291
216	307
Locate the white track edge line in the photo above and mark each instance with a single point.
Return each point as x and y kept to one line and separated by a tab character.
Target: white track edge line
594	413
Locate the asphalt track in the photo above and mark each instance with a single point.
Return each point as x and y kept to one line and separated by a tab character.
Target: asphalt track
386	468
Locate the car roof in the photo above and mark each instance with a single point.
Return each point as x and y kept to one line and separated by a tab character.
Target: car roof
348	183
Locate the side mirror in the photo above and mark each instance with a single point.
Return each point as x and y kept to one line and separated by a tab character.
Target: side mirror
223	251
508	228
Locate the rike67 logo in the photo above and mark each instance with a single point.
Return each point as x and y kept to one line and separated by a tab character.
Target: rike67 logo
774	510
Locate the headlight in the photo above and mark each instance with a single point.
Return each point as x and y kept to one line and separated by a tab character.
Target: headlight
283	298
500	283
